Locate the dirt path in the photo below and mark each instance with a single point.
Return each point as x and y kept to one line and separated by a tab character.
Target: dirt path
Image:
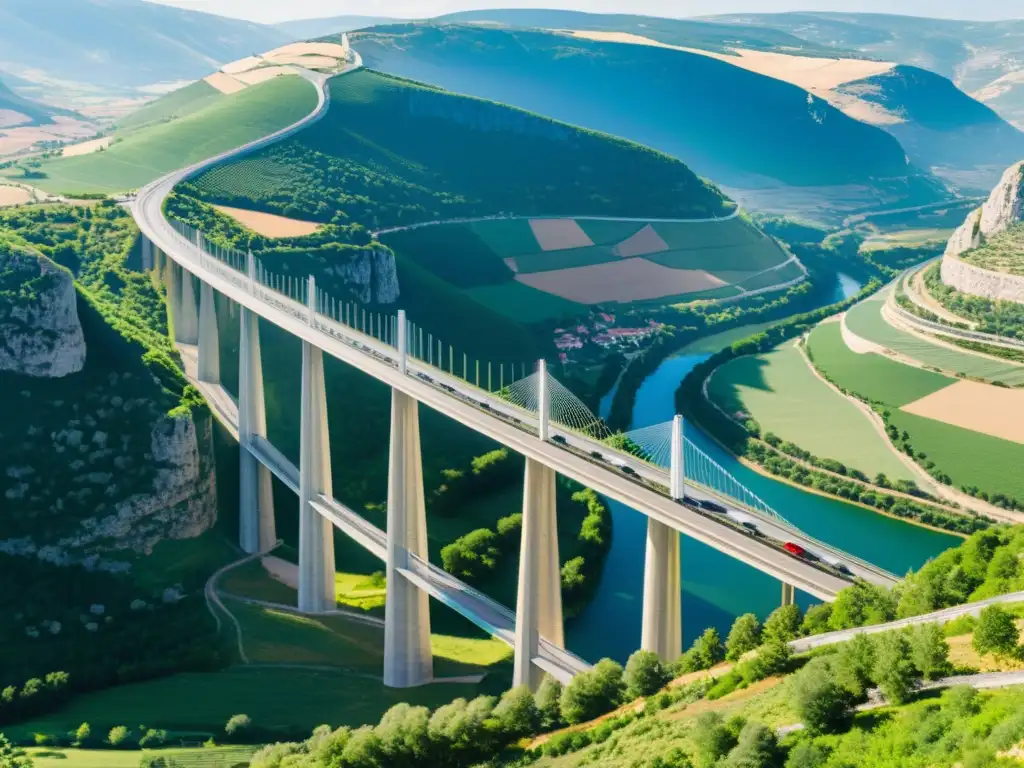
917	291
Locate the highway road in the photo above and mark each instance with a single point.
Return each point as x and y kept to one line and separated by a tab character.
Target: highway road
630	481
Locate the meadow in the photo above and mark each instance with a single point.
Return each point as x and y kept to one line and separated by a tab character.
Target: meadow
1001	252
175	105
146	152
781	392
199	757
865	320
870	376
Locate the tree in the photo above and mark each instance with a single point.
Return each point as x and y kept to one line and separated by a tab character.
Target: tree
996	632
712	738
517	713
363	749
237	725
402	735
82	734
118	736
153	738
783	624
472	556
894	672
574	576
854	664
708	648
645	674
807	754
816	620
11	756
548	701
509	529
592	693
744	636
930	651
822	705
771	659
757	747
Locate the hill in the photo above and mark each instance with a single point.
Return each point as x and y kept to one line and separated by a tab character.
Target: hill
307	29
981	57
749	132
177	130
77	47
17	110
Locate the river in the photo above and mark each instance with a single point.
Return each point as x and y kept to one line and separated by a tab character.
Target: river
716	588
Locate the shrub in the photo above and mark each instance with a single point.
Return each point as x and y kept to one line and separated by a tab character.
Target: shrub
237	725
854	664
473	556
153	738
548	700
712	738
82	734
744	636
816	620
517	713
822	705
930	651
645	674
118	736
996	632
756	747
783	624
592	693
509	529
807	754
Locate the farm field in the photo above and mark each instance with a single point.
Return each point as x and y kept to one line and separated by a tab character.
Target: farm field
865	320
269	224
202	702
146	153
782	393
993	411
871	376
535	269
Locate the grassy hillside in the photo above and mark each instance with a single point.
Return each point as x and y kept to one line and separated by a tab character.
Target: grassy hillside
732	125
977	57
154	143
307	29
91	46
175	105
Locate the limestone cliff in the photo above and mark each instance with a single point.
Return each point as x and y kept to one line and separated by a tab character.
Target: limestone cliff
370	275
40	332
1005	206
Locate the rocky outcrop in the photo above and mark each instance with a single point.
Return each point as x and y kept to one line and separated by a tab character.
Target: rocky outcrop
976	281
1005	206
370	275
967	235
40	333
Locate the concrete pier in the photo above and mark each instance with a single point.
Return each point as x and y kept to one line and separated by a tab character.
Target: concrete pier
257	530
788	594
209	340
539	601
316	538
186	320
408	660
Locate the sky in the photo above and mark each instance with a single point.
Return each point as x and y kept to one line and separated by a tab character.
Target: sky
271	11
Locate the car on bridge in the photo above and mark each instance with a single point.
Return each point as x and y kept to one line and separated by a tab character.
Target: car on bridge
794	549
712	506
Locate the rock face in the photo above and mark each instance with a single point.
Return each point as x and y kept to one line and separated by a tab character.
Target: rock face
40	333
370	275
1004	208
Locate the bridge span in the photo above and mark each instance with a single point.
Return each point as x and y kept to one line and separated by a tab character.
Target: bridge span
679	489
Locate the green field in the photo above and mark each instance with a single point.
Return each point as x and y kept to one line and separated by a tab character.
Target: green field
175	105
525	304
969	458
870	376
201	757
866	321
147	153
785	397
1003	252
203	702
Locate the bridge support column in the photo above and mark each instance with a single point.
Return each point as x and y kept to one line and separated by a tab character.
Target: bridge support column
662	629
316	535
257	531
209	340
408	660
539	602
186	320
788	594
148	258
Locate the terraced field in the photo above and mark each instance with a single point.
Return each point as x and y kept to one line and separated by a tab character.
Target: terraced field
866	320
150	147
969	458
784	395
546	269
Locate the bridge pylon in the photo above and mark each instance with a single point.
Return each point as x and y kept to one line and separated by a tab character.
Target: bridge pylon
316	535
408	659
539	600
209	339
186	319
257	530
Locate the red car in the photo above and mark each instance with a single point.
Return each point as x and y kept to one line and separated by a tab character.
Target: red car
794	549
